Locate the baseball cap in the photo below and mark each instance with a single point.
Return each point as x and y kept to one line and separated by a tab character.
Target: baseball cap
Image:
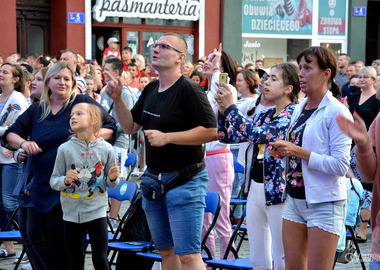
112	39
263	70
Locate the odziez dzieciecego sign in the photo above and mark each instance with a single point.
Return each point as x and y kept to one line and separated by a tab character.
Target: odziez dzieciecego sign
153	9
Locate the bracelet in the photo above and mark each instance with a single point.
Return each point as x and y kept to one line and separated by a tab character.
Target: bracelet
215	69
22	144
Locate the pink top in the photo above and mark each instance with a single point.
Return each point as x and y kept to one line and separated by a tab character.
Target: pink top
368	162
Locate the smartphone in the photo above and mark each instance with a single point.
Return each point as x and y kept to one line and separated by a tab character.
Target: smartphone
223	78
378	63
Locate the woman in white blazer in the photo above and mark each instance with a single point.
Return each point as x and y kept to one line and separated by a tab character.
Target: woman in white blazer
12	104
318	155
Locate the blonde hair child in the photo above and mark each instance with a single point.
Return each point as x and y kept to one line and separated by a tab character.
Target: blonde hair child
84	167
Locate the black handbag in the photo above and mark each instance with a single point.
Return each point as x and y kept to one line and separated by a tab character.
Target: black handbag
154	186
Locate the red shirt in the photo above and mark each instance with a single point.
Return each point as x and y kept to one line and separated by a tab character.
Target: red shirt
107	52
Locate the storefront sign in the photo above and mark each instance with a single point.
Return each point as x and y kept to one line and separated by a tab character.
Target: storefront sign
360	11
280	17
332	17
75	17
153	9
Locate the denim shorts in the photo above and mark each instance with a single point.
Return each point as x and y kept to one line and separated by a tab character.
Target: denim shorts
177	219
328	216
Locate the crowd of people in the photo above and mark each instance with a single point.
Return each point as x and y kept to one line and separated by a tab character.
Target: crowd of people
297	127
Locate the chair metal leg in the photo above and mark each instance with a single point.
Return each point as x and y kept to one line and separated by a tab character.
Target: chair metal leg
337	254
20	258
242	236
357	247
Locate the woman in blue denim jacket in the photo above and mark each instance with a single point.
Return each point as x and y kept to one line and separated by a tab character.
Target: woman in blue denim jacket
265	175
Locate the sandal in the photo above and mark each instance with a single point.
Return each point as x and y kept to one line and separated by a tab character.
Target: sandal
360	240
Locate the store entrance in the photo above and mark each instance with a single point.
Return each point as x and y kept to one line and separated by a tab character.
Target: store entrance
33	27
100	35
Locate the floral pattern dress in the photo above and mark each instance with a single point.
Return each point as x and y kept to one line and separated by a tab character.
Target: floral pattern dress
263	128
295	185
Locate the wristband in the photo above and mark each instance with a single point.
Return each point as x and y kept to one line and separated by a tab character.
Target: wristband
22	144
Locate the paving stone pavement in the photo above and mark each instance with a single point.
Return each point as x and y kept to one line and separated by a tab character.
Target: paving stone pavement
365	248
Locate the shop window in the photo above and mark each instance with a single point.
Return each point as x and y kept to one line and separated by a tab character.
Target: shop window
295	46
336	48
112	20
271	50
149	38
132	20
133	41
169	22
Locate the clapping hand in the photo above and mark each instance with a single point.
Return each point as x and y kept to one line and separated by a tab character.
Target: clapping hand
356	130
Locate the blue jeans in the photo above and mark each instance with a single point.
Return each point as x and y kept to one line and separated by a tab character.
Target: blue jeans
9	173
374	265
176	220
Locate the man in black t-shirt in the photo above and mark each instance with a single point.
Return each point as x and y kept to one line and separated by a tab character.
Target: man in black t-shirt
177	119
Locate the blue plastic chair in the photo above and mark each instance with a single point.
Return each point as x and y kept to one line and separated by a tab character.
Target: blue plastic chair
130	163
8	235
237	200
237	263
115	244
124	191
238	167
213	205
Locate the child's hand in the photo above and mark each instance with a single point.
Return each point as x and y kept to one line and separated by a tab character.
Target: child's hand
114	172
71	176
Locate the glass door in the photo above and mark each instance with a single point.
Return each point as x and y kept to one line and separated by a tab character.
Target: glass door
133	41
336	48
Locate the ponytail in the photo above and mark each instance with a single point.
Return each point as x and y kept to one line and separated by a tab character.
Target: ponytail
252	111
335	90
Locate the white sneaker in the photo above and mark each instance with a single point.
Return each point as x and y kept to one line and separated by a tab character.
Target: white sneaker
25	259
27	266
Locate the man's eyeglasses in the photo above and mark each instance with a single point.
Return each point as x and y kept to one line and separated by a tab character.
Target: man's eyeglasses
163	46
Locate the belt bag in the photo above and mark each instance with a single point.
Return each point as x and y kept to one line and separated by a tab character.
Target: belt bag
154	186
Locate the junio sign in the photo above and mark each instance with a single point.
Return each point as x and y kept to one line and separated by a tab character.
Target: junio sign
153	9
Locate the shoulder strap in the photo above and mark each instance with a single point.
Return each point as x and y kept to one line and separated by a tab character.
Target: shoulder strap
110	109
